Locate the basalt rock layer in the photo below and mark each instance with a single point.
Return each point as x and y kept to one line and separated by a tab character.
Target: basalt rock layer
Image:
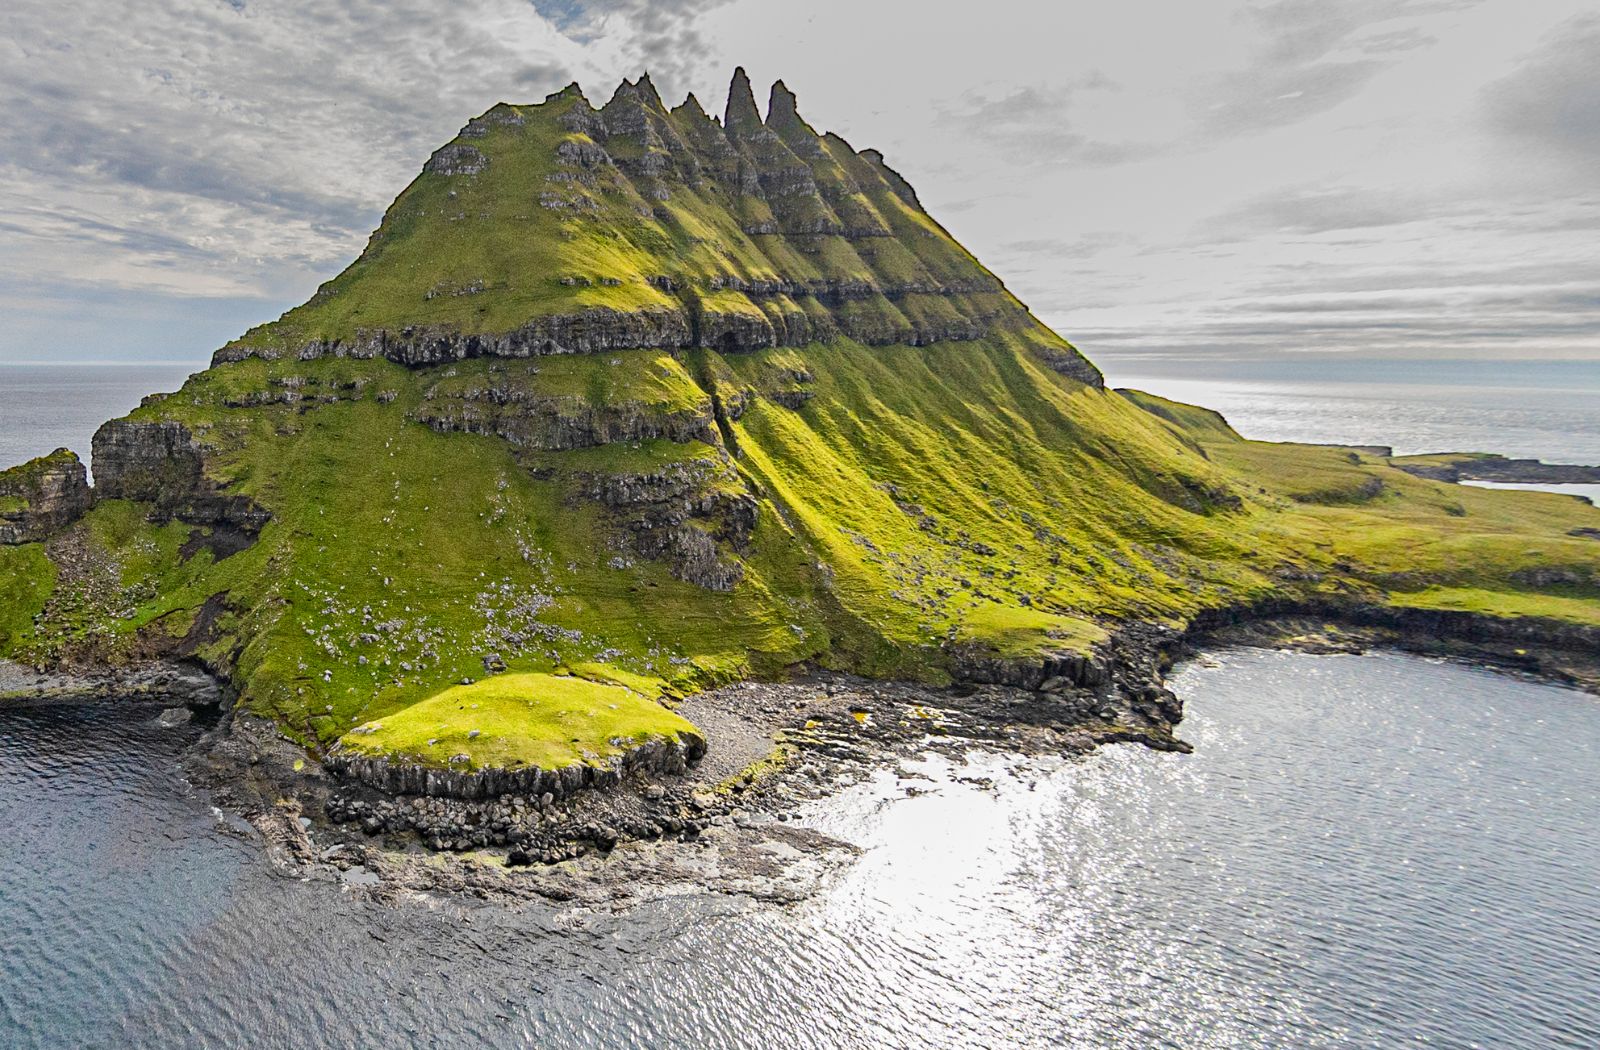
654	758
43	496
1482	467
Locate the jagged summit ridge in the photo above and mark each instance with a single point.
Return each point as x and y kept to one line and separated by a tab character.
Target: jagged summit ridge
565	228
741	118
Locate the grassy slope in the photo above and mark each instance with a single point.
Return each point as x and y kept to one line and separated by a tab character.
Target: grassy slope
1420	543
397	558
27	577
519	719
924	500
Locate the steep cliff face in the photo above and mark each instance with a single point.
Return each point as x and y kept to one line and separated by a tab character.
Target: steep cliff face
161	464
559	228
158	463
42	496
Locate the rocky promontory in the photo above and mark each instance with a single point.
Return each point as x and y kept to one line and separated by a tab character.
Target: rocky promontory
1458	467
43	496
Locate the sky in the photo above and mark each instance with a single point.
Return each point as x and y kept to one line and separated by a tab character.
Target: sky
1160	181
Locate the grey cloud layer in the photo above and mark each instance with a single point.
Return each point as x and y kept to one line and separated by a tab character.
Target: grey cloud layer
242	150
1551	104
1033	124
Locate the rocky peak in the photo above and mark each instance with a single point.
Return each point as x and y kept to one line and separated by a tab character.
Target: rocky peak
645	228
647	92
640	136
691	109
715	155
896	181
783	117
782	110
742	119
635	94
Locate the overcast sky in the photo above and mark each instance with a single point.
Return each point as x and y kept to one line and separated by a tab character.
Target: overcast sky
1185	177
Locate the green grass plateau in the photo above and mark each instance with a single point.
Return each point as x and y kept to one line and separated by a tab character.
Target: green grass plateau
517	720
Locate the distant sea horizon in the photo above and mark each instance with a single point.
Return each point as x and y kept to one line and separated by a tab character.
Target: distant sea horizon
44	407
1546	410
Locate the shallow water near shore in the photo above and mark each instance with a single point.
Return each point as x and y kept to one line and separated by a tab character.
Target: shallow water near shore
1362	851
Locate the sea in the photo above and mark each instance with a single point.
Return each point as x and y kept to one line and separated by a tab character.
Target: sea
1362	851
46	407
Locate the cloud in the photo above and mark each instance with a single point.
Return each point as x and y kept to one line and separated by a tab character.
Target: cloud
664	35
1087	246
54	320
1311	56
1268	97
1550	105
1253	170
1315	210
1032	124
260	140
237	151
1489	320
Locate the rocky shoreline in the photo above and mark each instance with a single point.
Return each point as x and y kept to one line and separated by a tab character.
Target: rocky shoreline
177	683
657	757
723	822
1502	470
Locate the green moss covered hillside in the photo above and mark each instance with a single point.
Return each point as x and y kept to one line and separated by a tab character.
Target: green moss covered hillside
622	403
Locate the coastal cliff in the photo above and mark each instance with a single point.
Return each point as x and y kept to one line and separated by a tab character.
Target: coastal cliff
622	405
42	497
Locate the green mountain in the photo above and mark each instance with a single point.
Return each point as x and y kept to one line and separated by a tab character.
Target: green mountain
622	403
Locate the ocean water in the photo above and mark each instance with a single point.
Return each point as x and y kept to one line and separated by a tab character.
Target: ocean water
1588	492
46	407
1546	410
1363	851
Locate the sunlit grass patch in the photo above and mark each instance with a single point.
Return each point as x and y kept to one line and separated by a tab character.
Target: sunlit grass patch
519	720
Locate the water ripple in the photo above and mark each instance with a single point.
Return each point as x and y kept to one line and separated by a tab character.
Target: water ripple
1363	851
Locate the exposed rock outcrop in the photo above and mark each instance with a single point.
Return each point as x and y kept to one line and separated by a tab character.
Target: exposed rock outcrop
1070	363
690	515
1502	469
161	463
174	681
589	331
43	496
457	159
656	757
528	420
